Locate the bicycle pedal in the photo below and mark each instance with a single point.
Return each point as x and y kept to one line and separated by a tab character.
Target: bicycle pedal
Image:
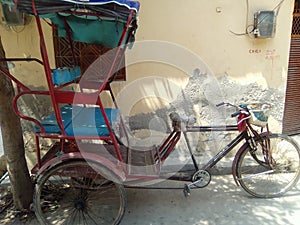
186	190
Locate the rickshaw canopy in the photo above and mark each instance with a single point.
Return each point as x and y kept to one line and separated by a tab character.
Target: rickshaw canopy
117	7
89	21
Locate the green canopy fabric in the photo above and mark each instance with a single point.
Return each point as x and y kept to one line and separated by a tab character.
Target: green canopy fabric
90	29
93	22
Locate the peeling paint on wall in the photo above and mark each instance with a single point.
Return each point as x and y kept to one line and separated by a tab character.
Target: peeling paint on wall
199	98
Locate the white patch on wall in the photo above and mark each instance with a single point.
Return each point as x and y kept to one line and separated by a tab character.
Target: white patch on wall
199	99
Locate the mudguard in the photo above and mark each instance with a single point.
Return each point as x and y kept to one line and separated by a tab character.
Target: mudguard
117	169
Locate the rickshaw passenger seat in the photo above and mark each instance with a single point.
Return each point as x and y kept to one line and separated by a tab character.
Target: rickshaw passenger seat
90	122
50	123
80	121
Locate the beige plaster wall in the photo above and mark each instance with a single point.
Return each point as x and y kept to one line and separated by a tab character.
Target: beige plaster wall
214	31
203	32
23	42
207	28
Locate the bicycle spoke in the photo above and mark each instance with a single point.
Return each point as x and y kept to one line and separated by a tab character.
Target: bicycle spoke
255	175
82	198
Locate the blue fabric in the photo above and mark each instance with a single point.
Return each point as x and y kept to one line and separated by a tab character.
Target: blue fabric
127	3
90	122
65	75
50	123
80	121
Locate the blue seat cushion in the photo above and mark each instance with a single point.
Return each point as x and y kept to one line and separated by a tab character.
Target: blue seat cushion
50	123
90	122
80	121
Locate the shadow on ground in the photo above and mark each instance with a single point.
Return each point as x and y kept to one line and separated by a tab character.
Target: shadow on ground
222	202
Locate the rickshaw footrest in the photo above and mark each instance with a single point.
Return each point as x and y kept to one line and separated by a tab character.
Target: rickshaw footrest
141	161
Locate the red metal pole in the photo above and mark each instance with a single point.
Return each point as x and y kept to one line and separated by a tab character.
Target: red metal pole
38	151
103	87
111	134
48	69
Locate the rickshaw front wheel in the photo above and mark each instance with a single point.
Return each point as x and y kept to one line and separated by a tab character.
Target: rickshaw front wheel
79	192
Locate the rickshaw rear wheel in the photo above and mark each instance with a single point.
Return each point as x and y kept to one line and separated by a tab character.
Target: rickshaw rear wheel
79	192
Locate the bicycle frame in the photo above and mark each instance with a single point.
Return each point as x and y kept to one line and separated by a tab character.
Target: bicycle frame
224	151
169	145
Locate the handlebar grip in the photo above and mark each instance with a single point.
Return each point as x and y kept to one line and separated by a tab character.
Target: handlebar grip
236	114
220	104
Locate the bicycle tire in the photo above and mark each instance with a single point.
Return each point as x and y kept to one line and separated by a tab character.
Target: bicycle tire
72	193
272	176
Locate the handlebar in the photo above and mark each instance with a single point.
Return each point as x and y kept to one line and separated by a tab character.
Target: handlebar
220	104
177	119
236	114
239	109
227	104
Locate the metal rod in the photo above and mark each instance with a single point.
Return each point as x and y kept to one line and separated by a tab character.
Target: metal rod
103	87
225	150
47	69
21	59
211	128
257	174
190	150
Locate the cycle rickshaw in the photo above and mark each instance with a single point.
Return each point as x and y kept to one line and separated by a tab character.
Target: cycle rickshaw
81	178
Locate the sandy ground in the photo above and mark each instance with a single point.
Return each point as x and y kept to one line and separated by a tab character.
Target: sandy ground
222	202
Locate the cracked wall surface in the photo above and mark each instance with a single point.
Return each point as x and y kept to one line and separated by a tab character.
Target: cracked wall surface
199	99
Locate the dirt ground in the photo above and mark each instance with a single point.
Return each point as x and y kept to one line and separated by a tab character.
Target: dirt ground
222	202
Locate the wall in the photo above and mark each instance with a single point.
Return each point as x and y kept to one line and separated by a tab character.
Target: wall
194	33
207	28
175	37
212	36
23	42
